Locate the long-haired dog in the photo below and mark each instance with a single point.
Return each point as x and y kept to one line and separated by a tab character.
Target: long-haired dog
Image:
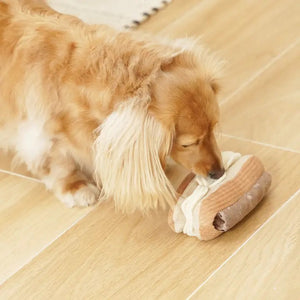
88	108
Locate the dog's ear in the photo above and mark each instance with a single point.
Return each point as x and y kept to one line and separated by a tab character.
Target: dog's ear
215	86
180	59
188	60
188	53
129	151
182	54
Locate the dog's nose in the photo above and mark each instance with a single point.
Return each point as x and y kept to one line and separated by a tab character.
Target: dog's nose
216	174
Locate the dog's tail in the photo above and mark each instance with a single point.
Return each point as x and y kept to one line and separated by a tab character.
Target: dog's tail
8	7
40	7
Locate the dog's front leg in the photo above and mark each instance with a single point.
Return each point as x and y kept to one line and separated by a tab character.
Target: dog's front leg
60	174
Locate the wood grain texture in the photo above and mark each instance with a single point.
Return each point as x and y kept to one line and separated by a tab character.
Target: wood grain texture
268	109
248	35
30	219
107	255
270	271
111	256
168	15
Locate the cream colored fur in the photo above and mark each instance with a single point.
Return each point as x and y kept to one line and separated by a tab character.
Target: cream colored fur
128	151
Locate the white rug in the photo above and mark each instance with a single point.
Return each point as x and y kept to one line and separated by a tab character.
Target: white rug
116	13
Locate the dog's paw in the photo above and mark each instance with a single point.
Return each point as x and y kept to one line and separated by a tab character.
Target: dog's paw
85	196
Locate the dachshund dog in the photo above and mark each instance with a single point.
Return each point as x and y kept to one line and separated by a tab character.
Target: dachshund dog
94	112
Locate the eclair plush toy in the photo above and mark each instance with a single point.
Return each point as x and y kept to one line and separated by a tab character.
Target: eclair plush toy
206	208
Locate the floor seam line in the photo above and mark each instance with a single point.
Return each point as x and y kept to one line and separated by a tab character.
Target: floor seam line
260	143
20	175
48	245
244	243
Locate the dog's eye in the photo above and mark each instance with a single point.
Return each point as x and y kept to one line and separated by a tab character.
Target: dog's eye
192	144
185	146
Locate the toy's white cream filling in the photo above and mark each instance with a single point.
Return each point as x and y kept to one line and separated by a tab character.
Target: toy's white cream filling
187	209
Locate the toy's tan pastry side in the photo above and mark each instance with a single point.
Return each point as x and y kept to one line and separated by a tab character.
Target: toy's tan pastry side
226	195
226	203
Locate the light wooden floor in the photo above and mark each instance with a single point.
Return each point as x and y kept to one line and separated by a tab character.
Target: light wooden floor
48	251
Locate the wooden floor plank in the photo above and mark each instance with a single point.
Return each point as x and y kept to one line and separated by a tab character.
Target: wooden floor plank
248	35
268	110
270	271
107	255
168	15
111	256
30	218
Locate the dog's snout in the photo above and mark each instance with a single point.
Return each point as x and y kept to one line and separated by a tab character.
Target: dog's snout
216	173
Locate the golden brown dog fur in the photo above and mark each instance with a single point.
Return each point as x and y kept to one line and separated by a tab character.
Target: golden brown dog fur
83	103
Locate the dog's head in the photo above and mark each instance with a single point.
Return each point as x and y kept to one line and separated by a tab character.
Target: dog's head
185	101
176	117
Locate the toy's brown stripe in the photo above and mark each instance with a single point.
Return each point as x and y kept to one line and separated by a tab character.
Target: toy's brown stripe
186	181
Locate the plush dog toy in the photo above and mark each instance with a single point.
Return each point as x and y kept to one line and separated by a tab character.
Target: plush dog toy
206	208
